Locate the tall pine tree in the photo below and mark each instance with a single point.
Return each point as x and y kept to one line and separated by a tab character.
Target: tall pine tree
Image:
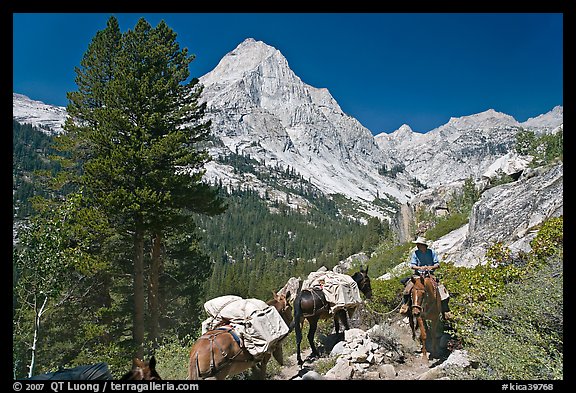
133	132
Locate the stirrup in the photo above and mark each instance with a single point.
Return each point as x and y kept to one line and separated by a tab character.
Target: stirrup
404	309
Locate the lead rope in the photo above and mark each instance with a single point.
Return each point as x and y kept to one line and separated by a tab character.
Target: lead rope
368	305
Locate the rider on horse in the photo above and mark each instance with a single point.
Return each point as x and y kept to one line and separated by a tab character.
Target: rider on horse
424	259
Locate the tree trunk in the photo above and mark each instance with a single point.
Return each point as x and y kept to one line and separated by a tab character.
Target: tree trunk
37	318
153	287
138	321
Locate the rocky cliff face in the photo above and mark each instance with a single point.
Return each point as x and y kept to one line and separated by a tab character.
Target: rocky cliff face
260	107
510	213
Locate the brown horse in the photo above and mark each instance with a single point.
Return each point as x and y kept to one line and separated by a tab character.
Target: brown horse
219	353
311	305
425	307
142	370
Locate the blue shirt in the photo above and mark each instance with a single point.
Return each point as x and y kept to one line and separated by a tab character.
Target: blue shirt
428	258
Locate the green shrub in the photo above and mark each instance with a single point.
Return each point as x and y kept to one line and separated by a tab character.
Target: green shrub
323	365
498	254
446	224
550	238
387	256
510	316
545	148
474	291
523	338
172	359
112	354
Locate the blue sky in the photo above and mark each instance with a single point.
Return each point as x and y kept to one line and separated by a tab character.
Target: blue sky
385	69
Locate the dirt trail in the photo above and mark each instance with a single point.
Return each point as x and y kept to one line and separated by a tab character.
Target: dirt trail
411	367
291	369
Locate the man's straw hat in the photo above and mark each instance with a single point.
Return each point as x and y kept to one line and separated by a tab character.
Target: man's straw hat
421	240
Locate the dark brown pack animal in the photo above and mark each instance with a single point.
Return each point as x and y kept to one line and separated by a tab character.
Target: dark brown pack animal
311	305
219	353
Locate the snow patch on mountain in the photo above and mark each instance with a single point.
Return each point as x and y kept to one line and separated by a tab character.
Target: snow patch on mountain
48	118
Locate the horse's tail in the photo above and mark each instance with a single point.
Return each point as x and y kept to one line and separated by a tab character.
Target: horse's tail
298	315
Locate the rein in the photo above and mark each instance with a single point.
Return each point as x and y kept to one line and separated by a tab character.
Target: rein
371	309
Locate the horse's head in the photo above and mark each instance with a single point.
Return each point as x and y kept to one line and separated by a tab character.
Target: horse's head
425	287
283	306
417	294
142	371
363	282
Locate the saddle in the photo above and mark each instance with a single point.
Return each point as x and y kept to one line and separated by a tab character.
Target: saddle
438	286
210	336
340	290
317	293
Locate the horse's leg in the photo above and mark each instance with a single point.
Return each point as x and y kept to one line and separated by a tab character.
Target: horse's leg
434	332
311	332
336	322
437	327
422	337
298	324
278	354
298	332
193	367
199	361
341	316
412	324
345	319
259	369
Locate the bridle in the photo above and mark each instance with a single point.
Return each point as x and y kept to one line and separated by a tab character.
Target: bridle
418	294
364	284
418	298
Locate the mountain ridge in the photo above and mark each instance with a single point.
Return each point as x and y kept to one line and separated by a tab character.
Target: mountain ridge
261	109
267	112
